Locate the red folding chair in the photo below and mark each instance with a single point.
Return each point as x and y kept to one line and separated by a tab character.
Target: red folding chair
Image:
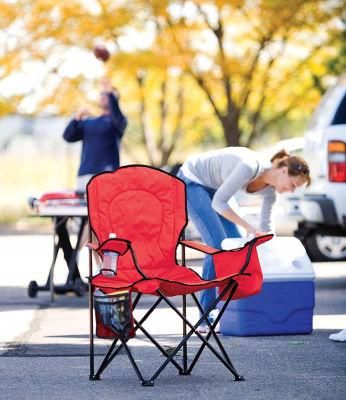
146	208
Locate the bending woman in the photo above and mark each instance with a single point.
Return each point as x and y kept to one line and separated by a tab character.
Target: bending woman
214	177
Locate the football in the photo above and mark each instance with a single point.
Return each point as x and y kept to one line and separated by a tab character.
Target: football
101	52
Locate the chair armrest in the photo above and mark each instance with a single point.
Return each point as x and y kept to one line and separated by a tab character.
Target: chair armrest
120	246
199	246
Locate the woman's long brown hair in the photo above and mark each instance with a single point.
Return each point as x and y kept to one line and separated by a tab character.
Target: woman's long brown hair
296	165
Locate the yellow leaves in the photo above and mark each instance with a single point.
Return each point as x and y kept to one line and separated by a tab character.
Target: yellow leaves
265	47
67	98
157	7
6	107
72	22
8	12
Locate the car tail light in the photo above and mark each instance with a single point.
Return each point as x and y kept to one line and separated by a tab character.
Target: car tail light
337	161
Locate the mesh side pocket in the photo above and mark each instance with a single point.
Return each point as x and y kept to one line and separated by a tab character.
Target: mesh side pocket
113	314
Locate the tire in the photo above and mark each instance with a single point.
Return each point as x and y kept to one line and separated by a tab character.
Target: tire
325	248
32	289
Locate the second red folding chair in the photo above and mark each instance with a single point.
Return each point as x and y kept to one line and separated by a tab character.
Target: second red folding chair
146	208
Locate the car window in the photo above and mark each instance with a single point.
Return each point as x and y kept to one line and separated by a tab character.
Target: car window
326	110
340	115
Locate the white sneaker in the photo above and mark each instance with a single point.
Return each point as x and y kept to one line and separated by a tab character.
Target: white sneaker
338	337
214	313
203	329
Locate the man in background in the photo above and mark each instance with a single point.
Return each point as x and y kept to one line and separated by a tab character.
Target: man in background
100	135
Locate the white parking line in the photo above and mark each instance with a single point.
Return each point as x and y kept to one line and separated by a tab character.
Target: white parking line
337	321
13	324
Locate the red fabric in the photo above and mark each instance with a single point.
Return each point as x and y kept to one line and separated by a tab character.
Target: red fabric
172	281
68	194
140	204
148	208
118	245
231	261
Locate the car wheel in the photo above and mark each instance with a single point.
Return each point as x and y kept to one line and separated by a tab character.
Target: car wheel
325	248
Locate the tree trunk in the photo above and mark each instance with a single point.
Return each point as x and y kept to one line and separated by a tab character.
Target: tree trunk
230	126
147	135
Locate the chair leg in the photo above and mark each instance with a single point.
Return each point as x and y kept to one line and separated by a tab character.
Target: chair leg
91	324
147	334
132	360
183	261
205	342
110	356
129	355
224	358
157	344
212	332
185	370
193	330
105	360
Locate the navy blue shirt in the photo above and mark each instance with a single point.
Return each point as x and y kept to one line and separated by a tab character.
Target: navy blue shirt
101	139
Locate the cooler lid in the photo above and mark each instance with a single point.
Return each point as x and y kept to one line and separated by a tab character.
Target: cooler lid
282	259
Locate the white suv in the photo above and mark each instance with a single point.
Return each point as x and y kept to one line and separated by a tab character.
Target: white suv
323	205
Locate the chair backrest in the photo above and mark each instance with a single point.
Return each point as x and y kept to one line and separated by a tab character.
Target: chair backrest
142	204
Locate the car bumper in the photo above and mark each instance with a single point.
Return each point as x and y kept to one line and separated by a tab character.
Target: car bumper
318	209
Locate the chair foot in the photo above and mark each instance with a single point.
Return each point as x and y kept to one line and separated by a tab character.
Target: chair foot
94	378
239	378
147	383
184	373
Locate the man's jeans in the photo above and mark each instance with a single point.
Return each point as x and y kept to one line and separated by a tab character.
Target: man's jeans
212	227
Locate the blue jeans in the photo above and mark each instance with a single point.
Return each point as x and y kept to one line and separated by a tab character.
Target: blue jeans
212	227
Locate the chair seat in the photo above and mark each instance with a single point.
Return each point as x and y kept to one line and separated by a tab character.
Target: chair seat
173	281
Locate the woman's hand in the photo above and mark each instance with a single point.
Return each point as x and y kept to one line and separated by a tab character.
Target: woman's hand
106	86
255	232
259	233
82	113
251	231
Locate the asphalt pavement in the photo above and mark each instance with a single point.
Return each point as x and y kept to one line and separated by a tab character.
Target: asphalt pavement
44	345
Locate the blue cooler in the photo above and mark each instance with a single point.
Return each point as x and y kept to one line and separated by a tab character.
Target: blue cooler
285	304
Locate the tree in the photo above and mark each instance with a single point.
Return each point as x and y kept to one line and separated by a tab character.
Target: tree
248	64
153	100
157	95
258	56
335	65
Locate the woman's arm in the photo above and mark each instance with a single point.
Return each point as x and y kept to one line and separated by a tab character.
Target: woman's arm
268	203
118	117
73	131
240	177
236	219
